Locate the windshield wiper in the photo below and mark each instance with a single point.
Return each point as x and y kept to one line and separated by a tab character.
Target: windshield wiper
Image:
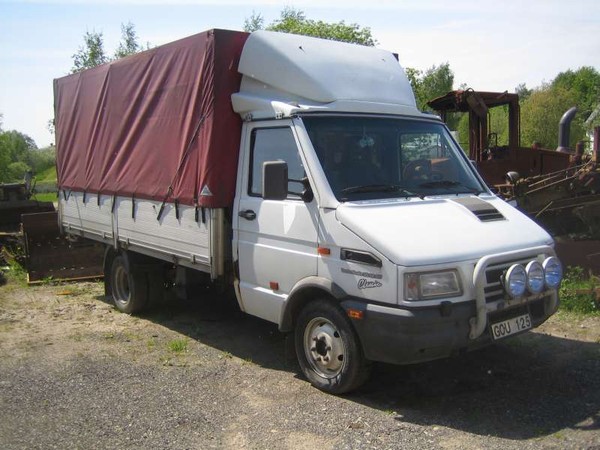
367	188
448	184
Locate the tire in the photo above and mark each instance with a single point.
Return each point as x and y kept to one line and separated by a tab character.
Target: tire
328	349
129	289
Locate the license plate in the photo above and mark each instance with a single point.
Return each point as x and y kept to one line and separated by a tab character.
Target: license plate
511	326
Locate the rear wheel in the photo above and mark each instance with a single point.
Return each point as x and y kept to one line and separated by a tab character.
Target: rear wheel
328	349
129	289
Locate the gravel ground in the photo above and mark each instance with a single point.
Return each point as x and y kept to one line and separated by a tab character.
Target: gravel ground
75	373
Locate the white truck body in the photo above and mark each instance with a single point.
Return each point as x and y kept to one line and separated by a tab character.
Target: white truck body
362	253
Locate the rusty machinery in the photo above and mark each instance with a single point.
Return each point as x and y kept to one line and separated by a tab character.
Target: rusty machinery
29	233
558	188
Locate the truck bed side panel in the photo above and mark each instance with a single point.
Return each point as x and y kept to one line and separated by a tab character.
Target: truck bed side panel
133	224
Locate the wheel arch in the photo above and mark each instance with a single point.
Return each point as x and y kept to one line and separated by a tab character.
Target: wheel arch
302	293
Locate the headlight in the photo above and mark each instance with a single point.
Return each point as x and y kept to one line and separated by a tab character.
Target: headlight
429	285
535	277
515	280
553	272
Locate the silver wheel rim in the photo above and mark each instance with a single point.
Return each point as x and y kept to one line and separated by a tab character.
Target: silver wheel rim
121	285
324	347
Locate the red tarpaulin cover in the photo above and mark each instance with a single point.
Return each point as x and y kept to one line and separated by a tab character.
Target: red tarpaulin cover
154	124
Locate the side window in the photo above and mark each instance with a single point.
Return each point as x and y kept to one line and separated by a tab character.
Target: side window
275	144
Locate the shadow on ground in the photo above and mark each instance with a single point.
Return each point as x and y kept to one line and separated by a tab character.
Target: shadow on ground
529	386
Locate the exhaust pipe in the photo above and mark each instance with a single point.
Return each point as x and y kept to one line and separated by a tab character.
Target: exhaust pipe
564	130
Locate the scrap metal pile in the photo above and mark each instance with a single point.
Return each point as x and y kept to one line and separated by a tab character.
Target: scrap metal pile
560	188
30	236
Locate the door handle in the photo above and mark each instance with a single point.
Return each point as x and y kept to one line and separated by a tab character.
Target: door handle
247	214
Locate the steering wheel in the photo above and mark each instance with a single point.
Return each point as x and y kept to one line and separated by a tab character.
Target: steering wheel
417	170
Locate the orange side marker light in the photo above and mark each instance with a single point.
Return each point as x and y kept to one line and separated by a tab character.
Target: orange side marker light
355	314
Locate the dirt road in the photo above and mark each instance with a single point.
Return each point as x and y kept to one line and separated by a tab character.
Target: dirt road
75	373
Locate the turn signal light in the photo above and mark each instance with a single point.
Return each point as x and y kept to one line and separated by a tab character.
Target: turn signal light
355	314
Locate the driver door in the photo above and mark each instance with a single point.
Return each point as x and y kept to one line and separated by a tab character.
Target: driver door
276	239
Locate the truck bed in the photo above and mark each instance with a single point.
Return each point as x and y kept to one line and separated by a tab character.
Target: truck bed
187	237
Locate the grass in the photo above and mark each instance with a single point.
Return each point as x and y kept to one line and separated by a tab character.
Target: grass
178	345
45	197
16	273
577	292
47	175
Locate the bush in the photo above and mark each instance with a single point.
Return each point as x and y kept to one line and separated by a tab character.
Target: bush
16	171
577	292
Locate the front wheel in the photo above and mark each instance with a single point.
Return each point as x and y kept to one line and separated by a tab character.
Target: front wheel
328	349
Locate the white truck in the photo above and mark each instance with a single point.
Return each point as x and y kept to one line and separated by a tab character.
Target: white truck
299	172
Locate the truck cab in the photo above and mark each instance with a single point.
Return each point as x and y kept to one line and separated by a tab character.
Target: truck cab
359	223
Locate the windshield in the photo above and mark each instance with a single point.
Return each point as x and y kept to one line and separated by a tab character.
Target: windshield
373	157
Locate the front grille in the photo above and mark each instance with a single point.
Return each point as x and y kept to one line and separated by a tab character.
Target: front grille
494	291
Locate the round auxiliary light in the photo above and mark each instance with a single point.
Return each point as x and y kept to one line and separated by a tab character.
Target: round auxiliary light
515	280
553	272
535	277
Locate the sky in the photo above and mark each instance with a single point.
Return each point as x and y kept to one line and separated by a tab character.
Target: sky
491	45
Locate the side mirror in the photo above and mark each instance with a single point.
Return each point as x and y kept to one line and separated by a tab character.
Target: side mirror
275	180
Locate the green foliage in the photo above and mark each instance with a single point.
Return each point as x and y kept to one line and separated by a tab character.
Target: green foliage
43	161
294	21
17	155
498	127
541	113
576	292
17	145
12	257
91	54
462	128
178	345
129	42
523	92
433	82
48	174
584	83
542	109
45	197
254	22
16	170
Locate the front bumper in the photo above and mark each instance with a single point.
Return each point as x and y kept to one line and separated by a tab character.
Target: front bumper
406	336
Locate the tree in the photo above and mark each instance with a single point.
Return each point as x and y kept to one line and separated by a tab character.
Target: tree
16	171
294	21
584	83
434	82
522	91
51	126
42	159
129	42
91	54
254	22
15	155
542	110
541	113
414	78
